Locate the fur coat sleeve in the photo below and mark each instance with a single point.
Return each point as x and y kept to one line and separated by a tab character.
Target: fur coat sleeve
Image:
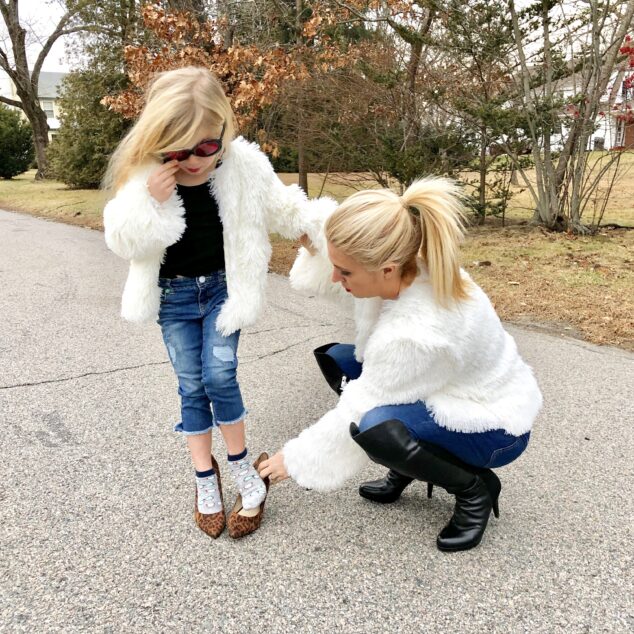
136	226
313	273
324	455
253	203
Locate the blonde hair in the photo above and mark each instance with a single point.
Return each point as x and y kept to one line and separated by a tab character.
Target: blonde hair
377	226
178	103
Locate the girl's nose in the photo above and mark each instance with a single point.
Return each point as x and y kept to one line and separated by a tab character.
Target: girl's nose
336	276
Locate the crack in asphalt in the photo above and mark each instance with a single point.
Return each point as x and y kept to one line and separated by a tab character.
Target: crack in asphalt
81	376
157	363
259	332
272	354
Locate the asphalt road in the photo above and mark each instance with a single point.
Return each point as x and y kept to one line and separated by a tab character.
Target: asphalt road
96	491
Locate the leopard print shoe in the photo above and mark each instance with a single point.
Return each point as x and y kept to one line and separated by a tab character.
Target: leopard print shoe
213	524
242	522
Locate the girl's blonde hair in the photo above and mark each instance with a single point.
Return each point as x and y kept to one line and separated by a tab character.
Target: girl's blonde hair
178	103
377	226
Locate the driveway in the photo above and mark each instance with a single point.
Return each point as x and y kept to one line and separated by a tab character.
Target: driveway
96	491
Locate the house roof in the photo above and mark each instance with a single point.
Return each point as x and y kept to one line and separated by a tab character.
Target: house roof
49	84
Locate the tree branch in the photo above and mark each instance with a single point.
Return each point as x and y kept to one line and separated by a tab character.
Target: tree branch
52	38
11	102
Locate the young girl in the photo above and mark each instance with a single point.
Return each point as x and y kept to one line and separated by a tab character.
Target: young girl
191	210
433	388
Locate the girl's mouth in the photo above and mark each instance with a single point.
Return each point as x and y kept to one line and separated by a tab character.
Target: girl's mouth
192	170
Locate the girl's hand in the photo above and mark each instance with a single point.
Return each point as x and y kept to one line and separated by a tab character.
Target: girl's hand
162	181
274	468
304	240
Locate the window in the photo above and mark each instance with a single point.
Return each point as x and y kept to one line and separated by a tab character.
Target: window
47	106
620	133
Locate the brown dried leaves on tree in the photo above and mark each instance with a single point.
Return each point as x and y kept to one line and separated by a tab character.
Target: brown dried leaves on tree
252	76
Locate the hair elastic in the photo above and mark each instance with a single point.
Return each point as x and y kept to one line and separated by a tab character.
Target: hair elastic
414	211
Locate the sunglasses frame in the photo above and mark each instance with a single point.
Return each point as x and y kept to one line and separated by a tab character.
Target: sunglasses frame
167	158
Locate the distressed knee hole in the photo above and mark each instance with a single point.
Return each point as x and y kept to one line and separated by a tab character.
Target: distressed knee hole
224	353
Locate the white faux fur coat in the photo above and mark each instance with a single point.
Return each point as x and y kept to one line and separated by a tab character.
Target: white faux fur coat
459	361
252	203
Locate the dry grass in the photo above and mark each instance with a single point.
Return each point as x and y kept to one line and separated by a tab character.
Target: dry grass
574	286
619	210
577	286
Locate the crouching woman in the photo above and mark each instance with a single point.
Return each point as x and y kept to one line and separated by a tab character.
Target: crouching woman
433	388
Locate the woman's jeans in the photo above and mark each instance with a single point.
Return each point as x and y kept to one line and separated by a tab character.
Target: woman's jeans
205	362
489	449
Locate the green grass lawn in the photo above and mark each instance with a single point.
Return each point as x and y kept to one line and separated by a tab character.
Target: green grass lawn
52	199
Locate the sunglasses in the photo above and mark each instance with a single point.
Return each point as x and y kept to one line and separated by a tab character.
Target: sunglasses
205	149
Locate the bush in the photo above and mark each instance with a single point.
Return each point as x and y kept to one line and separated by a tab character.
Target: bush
16	143
286	161
89	132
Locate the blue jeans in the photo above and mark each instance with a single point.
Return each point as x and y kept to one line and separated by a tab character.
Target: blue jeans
490	449
204	361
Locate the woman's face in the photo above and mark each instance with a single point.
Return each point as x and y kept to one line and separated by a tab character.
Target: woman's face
196	169
360	282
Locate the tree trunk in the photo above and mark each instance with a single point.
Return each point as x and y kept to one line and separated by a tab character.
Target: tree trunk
39	126
411	114
40	152
302	167
40	141
483	177
301	163
514	179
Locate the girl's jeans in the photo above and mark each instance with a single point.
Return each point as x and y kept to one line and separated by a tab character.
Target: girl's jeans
204	361
489	449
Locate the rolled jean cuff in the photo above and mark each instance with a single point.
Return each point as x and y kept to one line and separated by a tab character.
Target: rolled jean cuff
196	432
235	421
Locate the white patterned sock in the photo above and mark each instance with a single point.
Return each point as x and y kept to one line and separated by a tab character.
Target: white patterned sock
209	501
250	484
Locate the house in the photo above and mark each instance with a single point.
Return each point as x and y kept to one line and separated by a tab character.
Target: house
615	122
48	94
616	118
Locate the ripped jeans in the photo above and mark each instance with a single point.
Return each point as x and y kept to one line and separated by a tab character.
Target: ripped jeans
204	361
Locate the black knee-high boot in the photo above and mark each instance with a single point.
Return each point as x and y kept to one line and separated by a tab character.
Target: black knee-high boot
387	489
476	490
332	372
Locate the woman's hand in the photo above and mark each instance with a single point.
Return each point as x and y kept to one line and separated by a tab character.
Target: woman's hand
304	240
274	468
162	181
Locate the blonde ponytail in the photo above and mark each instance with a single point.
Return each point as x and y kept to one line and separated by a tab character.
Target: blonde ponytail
438	203
377	226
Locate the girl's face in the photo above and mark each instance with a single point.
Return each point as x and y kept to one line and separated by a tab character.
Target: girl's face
195	170
360	282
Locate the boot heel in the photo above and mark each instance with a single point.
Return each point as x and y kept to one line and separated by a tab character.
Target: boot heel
496	509
430	489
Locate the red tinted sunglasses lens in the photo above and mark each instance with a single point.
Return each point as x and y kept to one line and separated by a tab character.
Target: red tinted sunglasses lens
207	148
180	155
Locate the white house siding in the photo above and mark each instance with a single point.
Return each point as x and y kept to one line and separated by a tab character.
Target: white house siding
48	88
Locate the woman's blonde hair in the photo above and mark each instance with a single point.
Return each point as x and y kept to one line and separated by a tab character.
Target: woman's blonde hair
377	226
177	104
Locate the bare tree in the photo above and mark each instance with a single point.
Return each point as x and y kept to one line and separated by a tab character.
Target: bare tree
410	22
591	36
14	62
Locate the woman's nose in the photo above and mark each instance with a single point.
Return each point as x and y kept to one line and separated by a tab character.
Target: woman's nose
336	276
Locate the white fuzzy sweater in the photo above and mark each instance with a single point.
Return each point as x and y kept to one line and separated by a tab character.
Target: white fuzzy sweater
459	361
252	203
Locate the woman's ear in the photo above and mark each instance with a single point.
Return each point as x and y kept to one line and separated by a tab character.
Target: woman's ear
389	270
